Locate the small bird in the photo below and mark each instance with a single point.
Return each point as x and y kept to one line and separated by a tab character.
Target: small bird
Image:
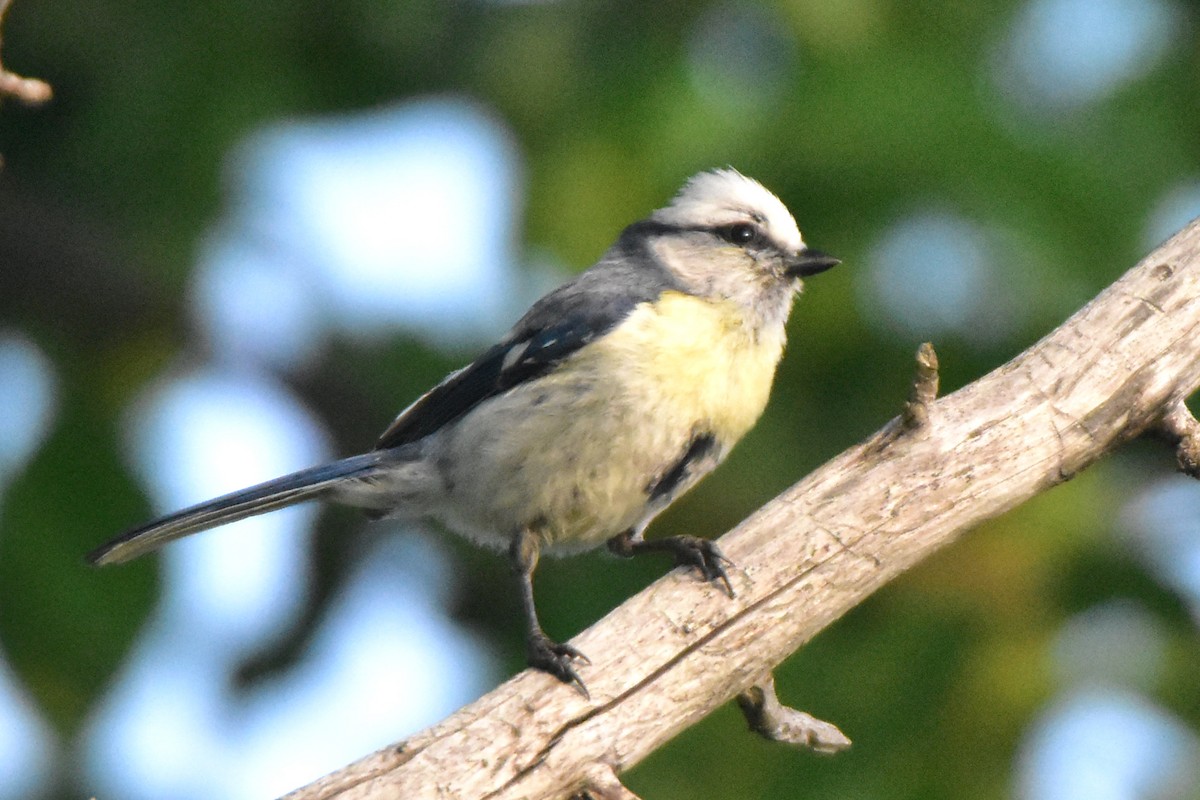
612	396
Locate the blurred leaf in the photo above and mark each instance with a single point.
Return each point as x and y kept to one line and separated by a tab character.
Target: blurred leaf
65	627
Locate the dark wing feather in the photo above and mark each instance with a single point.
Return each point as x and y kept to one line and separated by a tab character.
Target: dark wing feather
502	367
554	328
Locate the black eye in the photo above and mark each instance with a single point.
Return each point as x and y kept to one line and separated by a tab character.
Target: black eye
741	233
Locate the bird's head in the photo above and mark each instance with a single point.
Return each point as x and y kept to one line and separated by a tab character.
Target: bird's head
725	235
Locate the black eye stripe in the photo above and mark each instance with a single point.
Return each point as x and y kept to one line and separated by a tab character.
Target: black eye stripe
742	234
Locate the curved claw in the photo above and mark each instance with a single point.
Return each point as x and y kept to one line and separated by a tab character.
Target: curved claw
555	658
689	551
705	556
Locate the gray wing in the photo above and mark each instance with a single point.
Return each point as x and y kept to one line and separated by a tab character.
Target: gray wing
555	327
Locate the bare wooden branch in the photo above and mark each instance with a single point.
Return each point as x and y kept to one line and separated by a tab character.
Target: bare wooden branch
603	785
924	389
28	90
671	654
1184	431
773	720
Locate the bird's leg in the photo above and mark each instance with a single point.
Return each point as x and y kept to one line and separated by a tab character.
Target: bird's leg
542	652
689	551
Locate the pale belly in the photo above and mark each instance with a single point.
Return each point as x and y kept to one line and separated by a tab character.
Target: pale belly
574	455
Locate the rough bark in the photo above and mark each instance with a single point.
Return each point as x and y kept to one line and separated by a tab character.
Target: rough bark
1119	367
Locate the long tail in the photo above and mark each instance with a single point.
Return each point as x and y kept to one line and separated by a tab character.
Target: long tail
288	490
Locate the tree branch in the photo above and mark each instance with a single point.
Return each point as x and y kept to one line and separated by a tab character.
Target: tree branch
668	656
28	90
773	720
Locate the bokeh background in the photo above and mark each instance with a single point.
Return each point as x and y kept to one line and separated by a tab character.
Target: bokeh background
247	232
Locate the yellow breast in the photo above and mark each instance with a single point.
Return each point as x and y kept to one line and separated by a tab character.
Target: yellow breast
701	358
610	423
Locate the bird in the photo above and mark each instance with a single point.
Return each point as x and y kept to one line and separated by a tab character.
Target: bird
612	396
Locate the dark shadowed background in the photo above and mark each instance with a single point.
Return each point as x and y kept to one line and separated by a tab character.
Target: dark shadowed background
247	232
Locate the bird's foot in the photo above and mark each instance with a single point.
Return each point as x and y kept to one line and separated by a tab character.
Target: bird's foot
555	658
704	555
688	551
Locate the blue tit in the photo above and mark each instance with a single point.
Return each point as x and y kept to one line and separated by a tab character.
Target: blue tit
612	396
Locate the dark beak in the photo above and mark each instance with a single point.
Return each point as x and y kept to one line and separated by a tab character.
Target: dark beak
809	262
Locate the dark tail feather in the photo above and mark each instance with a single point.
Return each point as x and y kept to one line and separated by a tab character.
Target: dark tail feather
288	490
